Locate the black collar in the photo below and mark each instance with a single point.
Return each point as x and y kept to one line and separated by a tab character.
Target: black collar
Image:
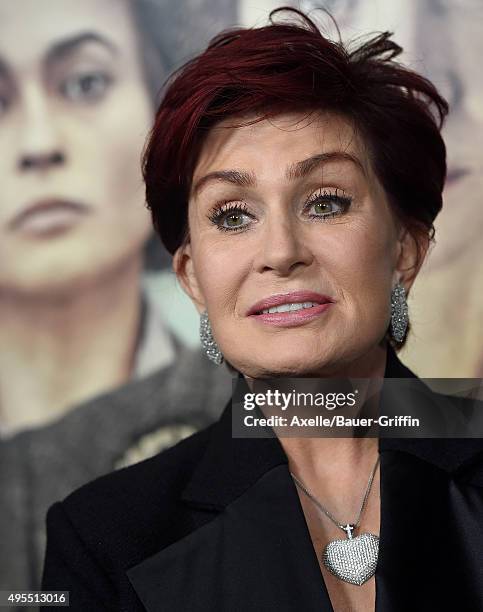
256	553
231	465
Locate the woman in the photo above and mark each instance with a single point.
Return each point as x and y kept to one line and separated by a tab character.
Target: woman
285	172
72	249
77	318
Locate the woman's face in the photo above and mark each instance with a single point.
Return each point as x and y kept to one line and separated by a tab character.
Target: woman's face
74	112
284	206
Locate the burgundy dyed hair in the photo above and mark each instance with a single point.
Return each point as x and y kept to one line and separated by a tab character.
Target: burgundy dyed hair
290	66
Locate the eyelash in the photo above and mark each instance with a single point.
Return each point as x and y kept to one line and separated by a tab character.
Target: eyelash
223	209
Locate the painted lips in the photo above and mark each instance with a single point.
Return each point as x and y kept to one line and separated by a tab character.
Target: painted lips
48	216
290	309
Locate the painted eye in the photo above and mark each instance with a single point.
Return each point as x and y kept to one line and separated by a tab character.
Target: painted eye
89	86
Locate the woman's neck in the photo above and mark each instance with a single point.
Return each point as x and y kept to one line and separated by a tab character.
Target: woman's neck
59	350
338	469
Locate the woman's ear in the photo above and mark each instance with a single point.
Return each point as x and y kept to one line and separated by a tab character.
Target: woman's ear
184	269
412	249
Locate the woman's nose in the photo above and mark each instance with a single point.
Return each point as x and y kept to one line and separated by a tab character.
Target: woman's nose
39	141
282	247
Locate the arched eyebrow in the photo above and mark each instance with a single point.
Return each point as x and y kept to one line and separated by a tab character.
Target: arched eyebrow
233	177
65	47
294	171
302	168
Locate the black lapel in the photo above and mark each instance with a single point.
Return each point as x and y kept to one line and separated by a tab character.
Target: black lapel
255	553
431	538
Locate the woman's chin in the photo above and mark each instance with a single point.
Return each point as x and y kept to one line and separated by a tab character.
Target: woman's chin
276	368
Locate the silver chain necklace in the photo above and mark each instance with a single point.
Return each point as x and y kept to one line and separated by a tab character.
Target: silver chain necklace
353	560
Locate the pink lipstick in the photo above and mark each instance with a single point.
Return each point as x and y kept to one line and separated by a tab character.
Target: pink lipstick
290	309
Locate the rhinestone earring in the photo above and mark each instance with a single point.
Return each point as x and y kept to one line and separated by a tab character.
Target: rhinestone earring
207	341
399	313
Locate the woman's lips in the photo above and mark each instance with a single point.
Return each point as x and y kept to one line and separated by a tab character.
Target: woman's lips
48	217
293	317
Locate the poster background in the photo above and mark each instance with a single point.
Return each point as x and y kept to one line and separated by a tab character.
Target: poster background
442	39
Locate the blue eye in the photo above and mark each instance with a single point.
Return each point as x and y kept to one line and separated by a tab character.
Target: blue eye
89	86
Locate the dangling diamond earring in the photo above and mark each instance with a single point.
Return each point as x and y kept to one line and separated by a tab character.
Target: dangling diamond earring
207	341
399	313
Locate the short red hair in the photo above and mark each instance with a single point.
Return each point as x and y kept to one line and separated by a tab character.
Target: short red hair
290	67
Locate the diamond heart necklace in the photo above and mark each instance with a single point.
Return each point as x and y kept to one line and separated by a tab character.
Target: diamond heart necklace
353	560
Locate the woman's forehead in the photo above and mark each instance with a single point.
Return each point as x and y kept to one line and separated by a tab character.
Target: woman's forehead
285	142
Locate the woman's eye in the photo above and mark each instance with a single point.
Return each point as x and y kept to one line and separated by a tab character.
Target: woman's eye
233	220
327	205
322	208
230	218
89	86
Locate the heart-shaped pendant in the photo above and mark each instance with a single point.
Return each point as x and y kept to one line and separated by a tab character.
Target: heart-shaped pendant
353	560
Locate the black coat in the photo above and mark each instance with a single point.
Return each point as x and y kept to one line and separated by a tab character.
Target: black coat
215	524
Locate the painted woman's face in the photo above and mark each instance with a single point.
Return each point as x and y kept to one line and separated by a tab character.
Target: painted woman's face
291	208
442	30
74	113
